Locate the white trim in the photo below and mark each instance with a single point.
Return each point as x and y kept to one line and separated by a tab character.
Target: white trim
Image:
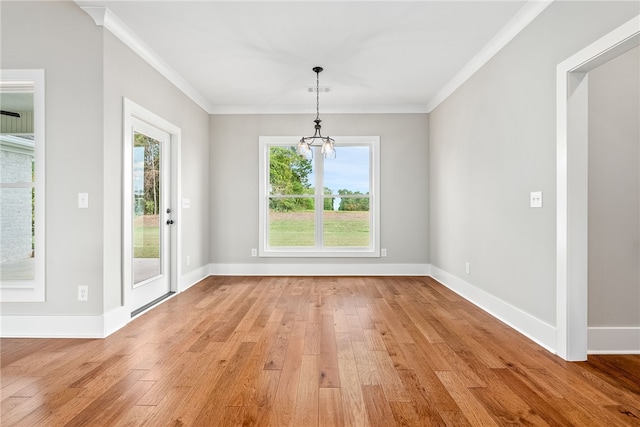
612	340
52	327
116	319
193	277
33	290
326	109
572	149
103	17
349	269
81	326
371	251
132	111
535	329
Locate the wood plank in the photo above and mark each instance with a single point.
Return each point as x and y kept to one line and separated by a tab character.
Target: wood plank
252	350
472	409
391	383
365	364
424	405
330	408
353	410
212	410
328	361
284	403
306	410
378	409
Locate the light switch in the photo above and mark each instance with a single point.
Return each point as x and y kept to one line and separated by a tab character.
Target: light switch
83	200
536	199
186	203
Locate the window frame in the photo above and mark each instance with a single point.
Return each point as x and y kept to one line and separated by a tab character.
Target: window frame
318	251
32	290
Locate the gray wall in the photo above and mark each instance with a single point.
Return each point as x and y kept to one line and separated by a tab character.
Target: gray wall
614	192
87	73
403	177
58	37
493	142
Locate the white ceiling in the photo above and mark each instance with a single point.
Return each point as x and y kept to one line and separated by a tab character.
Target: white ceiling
378	56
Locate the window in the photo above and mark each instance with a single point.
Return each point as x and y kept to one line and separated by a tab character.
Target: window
319	208
22	185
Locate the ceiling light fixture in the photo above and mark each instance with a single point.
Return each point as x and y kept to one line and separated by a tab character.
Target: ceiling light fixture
304	146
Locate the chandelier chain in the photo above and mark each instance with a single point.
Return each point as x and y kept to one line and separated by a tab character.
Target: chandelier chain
317	95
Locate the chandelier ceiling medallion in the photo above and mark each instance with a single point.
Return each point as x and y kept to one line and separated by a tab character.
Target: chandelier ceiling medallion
304	146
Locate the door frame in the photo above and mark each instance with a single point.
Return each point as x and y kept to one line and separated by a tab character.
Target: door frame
133	110
572	177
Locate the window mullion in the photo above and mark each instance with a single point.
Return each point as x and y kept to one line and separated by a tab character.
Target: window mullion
318	160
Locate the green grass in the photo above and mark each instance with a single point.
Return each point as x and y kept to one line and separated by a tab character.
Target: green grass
286	229
341	229
146	237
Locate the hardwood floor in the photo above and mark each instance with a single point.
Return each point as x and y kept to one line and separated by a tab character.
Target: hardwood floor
298	351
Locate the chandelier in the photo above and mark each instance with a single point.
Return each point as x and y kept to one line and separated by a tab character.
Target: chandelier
304	146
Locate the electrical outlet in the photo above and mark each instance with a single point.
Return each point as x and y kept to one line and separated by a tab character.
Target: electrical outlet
188	260
536	199
254	252
83	293
467	267
383	252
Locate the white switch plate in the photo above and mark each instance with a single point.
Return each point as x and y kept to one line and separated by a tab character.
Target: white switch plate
83	200
536	199
186	203
467	267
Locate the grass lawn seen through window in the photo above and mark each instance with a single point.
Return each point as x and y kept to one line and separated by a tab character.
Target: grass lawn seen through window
341	229
146	236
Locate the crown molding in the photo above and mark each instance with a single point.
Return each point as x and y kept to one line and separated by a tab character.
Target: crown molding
523	18
103	17
306	109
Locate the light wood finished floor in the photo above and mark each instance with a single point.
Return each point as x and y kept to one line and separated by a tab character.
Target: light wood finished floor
284	351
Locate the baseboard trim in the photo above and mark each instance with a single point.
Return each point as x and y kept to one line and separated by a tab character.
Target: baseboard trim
319	269
613	340
101	326
533	328
191	278
116	319
52	326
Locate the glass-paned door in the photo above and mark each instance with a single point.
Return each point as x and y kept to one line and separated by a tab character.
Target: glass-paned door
150	213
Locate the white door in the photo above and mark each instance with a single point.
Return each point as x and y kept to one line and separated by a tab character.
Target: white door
150	214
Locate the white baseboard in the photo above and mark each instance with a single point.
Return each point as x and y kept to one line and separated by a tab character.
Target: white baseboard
52	326
102	326
191	278
535	329
116	319
99	326
319	269
612	340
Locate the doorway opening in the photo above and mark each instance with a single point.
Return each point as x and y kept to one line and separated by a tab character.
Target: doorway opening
572	185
